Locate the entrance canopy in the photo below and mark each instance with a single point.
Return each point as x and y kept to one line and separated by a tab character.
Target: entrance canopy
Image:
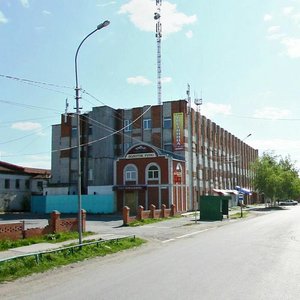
225	192
243	190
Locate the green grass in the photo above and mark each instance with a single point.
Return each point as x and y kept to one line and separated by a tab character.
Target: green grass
150	221
238	215
48	238
10	270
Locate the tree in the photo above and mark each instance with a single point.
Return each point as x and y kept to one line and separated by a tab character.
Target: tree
276	177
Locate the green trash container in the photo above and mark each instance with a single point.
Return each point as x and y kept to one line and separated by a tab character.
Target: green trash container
212	208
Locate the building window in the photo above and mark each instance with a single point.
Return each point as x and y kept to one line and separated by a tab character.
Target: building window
17	183
91	174
90	132
74	132
7	183
74	153
168	147
167	123
27	184
39	185
147	124
89	151
130	173
127	125
127	146
153	173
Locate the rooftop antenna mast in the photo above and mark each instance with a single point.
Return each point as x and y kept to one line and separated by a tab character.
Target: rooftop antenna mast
158	35
66	110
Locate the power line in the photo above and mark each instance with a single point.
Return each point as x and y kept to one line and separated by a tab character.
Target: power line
33	81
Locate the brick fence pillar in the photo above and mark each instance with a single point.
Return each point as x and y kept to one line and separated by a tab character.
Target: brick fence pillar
152	209
173	210
140	213
126	219
83	220
163	211
55	218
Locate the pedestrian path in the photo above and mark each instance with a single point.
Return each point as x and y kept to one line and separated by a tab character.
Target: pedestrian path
40	247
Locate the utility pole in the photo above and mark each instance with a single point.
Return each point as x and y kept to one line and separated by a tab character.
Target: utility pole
190	149
198	102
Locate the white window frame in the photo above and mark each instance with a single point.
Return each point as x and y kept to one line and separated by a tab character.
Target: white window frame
157	171
147	124
127	125
168	120
130	173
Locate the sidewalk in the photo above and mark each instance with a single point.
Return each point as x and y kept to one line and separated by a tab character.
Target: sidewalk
34	248
114	229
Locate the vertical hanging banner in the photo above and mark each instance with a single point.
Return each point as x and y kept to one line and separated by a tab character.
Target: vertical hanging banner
178	134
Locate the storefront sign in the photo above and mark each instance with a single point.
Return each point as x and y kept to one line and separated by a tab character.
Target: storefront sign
178	136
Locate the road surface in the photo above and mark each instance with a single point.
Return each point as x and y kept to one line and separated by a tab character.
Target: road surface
255	258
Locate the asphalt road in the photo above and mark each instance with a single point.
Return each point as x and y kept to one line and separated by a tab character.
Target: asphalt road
256	258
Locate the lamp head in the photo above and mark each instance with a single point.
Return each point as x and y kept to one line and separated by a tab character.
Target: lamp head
104	24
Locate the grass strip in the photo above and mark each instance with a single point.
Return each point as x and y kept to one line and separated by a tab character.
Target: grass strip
20	267
150	221
49	238
238	215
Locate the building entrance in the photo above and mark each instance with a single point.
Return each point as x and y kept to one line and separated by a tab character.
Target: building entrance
131	200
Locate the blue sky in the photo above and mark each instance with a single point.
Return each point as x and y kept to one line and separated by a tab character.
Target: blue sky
242	57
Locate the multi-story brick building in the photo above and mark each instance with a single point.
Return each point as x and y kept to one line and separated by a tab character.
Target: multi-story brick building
209	156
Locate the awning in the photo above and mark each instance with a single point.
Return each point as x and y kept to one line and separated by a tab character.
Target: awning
243	190
225	192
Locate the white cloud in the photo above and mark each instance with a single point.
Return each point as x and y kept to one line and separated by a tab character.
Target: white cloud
267	17
106	4
189	34
166	79
26	126
211	109
272	113
296	18
274	29
292	46
141	80
141	14
46	12
25	3
3	19
287	10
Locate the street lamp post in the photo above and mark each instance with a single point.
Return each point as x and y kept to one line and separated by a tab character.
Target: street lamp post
77	97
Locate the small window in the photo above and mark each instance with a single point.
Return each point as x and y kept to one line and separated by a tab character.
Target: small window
167	123
153	173
168	147
89	151
74	153
127	125
130	173
147	124
91	174
17	183
27	184
7	183
40	185
90	132
74	132
127	146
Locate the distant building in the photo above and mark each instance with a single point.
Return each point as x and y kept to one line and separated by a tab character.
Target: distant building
111	139
18	184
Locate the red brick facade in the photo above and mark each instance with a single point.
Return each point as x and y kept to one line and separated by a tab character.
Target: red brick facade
152	181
